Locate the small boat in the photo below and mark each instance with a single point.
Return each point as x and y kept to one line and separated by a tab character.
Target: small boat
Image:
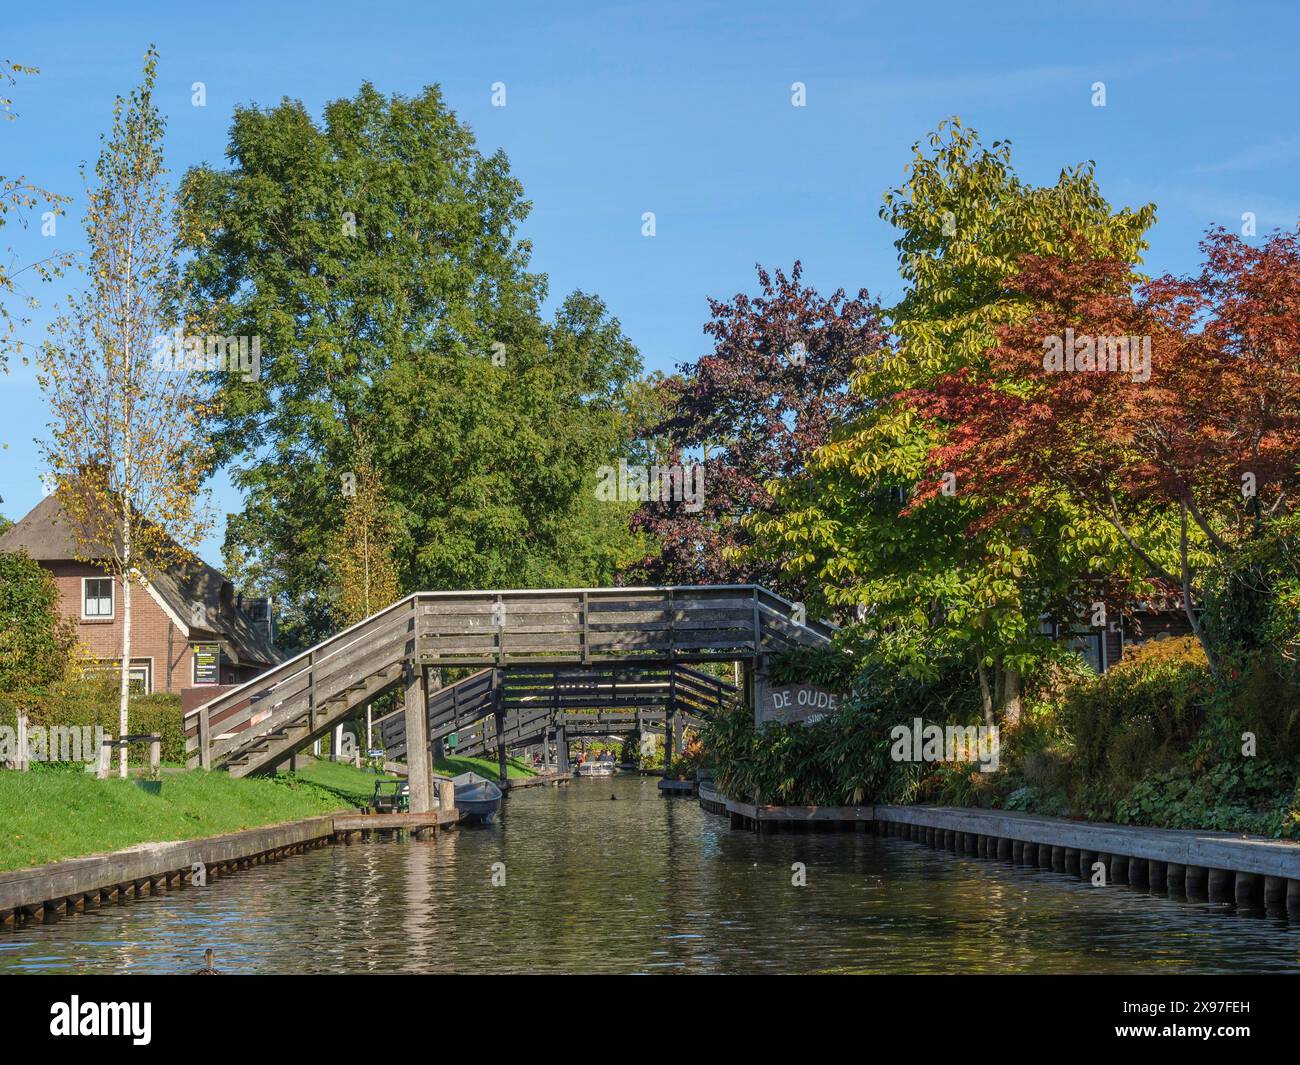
477	798
597	769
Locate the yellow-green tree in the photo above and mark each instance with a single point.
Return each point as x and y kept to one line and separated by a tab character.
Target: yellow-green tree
361	551
361	554
127	435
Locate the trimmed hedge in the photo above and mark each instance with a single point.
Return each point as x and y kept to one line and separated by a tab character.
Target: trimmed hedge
94	701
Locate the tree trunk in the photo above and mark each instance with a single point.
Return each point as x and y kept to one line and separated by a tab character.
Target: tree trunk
1011	702
1186	574
986	696
124	680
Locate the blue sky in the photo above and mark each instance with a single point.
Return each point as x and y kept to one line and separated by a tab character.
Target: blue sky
684	109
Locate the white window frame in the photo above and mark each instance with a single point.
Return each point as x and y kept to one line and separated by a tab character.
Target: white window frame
146	666
143	664
112	600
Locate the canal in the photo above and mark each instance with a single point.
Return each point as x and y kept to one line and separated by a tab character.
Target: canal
606	876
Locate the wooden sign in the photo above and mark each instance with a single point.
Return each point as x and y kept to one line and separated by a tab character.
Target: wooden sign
793	704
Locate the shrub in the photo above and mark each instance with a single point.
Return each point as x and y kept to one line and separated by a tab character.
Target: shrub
1266	701
1131	720
844	759
93	701
36	641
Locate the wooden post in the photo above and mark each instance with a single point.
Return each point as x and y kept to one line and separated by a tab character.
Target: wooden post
1220	885
671	715
155	755
205	738
21	763
418	765
104	769
668	741
561	752
446	795
499	713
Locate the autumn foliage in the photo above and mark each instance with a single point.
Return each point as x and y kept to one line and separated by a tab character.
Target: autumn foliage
1203	441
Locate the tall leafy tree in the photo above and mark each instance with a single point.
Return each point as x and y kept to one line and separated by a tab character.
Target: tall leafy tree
934	589
752	411
375	256
127	432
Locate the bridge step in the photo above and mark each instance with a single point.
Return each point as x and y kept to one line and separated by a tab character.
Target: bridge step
273	748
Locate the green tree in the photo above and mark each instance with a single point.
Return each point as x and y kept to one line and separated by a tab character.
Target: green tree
935	586
374	256
36	640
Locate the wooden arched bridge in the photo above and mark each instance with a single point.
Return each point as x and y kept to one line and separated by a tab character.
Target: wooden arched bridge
599	661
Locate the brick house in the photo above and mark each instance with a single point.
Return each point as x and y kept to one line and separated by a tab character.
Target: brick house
188	627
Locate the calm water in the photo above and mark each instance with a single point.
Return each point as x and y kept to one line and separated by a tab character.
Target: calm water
646	884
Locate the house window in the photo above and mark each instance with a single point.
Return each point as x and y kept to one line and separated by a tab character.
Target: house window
140	677
97	598
1088	644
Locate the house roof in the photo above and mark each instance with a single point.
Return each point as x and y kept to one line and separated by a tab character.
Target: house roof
46	534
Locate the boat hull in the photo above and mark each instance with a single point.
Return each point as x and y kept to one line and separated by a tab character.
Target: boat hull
477	798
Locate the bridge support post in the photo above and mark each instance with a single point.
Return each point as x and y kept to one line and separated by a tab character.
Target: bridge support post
561	751
668	741
419	767
499	713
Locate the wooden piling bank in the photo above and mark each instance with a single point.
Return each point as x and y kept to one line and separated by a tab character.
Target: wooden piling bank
72	886
1254	874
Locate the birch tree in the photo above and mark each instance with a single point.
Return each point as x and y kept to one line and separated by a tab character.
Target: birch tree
127	443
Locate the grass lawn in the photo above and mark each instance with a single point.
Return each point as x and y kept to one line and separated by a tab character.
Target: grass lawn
354	785
46	816
484	767
49	815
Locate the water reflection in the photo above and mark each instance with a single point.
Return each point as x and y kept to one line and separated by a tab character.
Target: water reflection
645	884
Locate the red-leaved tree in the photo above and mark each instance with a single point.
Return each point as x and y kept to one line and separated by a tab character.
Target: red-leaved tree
752	410
1169	409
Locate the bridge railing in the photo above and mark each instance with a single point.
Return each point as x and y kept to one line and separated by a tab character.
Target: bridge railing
679	623
299	685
